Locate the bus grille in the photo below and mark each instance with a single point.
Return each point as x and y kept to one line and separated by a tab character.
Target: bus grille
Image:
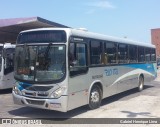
36	94
35	102
39	88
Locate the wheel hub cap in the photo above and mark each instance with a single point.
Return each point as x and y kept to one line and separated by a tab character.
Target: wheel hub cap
95	96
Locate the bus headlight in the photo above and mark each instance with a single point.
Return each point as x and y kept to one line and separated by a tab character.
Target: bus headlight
16	90
57	93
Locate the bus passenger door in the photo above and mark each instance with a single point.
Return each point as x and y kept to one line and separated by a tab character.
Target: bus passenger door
77	85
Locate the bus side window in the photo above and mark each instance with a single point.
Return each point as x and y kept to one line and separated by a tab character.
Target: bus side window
81	55
153	55
8	60
104	58
147	54
141	57
123	53
77	58
111	52
72	60
132	54
96	52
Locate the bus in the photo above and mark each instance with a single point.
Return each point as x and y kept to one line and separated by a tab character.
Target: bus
64	68
7	51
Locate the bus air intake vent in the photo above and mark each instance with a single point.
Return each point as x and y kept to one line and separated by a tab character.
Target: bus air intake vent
39	88
35	102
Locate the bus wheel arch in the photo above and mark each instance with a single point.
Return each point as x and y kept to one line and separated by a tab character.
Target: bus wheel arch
141	82
95	95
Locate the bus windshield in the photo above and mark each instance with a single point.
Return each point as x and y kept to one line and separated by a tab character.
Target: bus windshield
40	63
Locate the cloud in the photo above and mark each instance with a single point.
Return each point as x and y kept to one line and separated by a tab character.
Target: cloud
99	5
103	4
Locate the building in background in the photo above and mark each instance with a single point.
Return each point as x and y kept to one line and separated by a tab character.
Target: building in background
155	38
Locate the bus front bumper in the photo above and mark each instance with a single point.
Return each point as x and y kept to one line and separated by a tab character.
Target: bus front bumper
59	104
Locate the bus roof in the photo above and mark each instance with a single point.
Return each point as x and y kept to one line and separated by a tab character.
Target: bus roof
87	34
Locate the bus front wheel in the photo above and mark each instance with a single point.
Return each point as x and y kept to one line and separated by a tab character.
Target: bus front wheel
141	83
95	97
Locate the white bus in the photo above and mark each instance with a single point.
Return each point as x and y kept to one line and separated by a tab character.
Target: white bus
7	51
62	69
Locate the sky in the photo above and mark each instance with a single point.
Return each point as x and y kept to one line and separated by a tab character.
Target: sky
132	19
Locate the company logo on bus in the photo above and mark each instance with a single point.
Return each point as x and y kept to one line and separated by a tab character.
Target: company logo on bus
34	94
110	72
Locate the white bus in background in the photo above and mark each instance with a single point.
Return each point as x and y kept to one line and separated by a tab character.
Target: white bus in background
7	51
62	69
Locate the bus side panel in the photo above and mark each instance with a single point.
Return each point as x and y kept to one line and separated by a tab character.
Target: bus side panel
77	91
126	78
105	78
114	79
110	74
152	68
129	77
7	81
149	70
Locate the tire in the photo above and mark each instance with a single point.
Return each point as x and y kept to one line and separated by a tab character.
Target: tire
141	83
95	97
